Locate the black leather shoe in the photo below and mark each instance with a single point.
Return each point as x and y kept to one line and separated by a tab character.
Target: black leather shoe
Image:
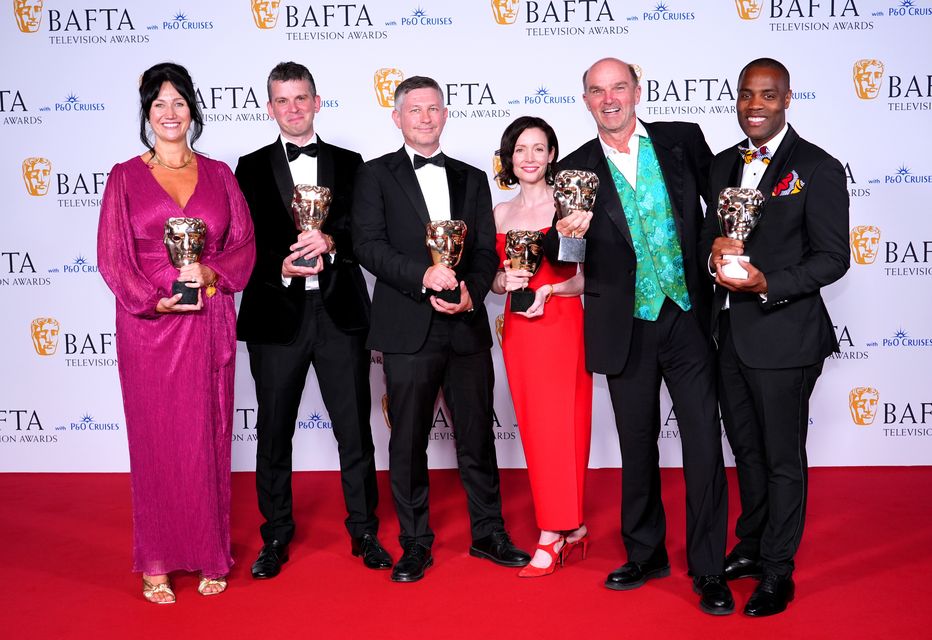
771	596
271	558
374	556
414	561
499	548
632	575
739	566
714	595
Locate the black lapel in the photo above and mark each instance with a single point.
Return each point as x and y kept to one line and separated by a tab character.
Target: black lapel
400	166
777	168
670	157
282	174
608	194
456	182
326	173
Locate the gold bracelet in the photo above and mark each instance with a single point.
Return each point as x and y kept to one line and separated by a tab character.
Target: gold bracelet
212	288
550	293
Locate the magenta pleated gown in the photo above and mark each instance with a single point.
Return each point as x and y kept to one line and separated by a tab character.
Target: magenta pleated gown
176	370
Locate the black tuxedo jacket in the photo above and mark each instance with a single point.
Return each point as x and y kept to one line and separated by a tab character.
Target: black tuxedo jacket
389	232
611	263
271	313
801	245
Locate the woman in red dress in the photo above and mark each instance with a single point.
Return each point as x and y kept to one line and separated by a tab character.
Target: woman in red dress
543	350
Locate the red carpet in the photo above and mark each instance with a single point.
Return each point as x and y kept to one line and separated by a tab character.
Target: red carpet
65	555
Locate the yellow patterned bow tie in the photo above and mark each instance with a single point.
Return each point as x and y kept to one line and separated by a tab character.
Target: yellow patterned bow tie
750	155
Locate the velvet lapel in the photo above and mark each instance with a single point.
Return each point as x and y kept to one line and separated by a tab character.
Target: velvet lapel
778	166
282	174
670	157
608	198
400	166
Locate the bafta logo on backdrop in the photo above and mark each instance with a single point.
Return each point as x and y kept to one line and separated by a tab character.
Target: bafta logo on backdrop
385	82
505	11
863	403
865	243
868	77
497	169
749	9
44	333
37	174
265	13
28	15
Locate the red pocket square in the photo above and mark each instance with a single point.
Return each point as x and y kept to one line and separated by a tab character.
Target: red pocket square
789	185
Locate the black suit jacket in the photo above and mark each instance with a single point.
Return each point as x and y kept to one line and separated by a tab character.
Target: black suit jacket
611	263
389	231
271	313
801	245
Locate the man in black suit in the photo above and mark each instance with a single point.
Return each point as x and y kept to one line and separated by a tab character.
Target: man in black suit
774	331
646	299
429	344
292	316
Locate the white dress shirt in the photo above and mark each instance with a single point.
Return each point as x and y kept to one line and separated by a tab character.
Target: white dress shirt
434	186
627	163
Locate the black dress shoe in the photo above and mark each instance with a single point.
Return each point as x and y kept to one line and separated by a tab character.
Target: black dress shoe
632	575
414	561
739	566
271	558
374	556
498	548
714	595
771	596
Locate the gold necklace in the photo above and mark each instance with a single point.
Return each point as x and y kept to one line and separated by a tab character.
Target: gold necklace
158	161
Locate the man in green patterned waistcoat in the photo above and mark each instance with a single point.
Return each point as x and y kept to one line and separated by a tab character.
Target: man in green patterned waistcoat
647	298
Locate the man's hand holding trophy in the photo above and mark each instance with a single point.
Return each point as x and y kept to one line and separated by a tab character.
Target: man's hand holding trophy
738	212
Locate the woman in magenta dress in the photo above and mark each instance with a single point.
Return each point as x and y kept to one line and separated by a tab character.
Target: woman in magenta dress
543	350
175	360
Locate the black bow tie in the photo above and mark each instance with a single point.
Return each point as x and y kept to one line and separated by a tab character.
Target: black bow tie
420	161
293	150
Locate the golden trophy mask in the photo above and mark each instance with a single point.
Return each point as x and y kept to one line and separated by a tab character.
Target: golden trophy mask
185	239
310	205
738	213
573	190
525	251
445	239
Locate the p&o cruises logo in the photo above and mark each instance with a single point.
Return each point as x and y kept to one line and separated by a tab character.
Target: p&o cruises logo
900	339
420	18
181	22
560	18
904	92
315	21
908	9
73	104
904	175
87	424
804	15
663	13
79	265
314	421
79	26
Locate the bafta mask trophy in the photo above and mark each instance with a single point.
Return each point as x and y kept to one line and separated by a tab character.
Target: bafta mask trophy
738	213
185	239
445	239
310	205
524	250
574	189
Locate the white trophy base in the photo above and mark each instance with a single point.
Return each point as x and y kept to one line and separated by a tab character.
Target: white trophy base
732	267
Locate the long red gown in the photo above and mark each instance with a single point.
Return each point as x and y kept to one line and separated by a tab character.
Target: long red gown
552	395
176	370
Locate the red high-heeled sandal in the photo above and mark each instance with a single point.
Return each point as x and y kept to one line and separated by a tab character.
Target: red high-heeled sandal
530	571
572	544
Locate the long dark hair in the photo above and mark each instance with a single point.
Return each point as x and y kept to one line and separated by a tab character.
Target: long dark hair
149	86
507	148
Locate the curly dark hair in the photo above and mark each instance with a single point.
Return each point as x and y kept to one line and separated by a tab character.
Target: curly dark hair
149	86
507	147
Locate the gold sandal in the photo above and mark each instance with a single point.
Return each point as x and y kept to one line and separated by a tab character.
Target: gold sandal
211	582
151	589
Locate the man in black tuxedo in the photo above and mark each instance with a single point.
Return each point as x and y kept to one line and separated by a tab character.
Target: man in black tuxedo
774	331
646	299
292	316
429	344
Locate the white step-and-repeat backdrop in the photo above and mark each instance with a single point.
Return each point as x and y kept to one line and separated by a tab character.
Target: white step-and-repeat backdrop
862	88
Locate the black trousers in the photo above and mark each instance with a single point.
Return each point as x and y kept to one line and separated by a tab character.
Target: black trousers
766	416
673	349
413	381
341	363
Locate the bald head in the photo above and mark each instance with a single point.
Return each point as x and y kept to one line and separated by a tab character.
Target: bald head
611	63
